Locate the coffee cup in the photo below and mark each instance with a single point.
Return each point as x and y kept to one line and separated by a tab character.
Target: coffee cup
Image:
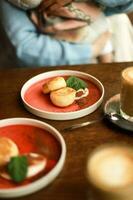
109	172
126	94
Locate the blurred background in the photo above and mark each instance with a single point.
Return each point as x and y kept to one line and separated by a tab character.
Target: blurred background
7	53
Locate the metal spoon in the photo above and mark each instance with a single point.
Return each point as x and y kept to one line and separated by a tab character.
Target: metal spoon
75	126
113	117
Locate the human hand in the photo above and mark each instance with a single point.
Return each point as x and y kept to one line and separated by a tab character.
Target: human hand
54	3
99	43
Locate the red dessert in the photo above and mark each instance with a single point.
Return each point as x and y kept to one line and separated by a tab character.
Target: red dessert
31	139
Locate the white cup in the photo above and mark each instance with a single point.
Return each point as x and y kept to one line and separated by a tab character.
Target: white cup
109	172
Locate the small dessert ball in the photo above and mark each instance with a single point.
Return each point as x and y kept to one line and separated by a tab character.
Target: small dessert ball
63	97
8	149
54	84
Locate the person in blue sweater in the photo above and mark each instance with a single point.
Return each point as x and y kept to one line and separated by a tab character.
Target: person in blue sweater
36	49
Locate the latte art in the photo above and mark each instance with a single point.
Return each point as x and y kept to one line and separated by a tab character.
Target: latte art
111	168
109	172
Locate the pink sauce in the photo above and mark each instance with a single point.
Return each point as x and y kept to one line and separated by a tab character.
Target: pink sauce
35	98
31	139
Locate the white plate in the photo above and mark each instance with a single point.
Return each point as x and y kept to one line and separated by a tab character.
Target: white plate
48	177
60	115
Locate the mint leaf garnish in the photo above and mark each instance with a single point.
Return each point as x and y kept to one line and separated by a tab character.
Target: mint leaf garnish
75	83
17	168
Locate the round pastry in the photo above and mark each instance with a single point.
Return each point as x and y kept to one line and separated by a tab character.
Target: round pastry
8	149
54	84
63	97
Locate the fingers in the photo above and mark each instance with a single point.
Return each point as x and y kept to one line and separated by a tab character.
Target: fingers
47	3
100	42
107	34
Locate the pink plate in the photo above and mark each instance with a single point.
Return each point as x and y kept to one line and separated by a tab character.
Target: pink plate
39	104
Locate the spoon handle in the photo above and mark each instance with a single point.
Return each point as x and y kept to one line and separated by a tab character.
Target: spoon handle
75	126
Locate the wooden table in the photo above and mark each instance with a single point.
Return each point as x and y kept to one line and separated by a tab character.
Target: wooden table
71	184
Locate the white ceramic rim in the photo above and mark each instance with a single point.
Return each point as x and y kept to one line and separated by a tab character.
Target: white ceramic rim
60	115
48	178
